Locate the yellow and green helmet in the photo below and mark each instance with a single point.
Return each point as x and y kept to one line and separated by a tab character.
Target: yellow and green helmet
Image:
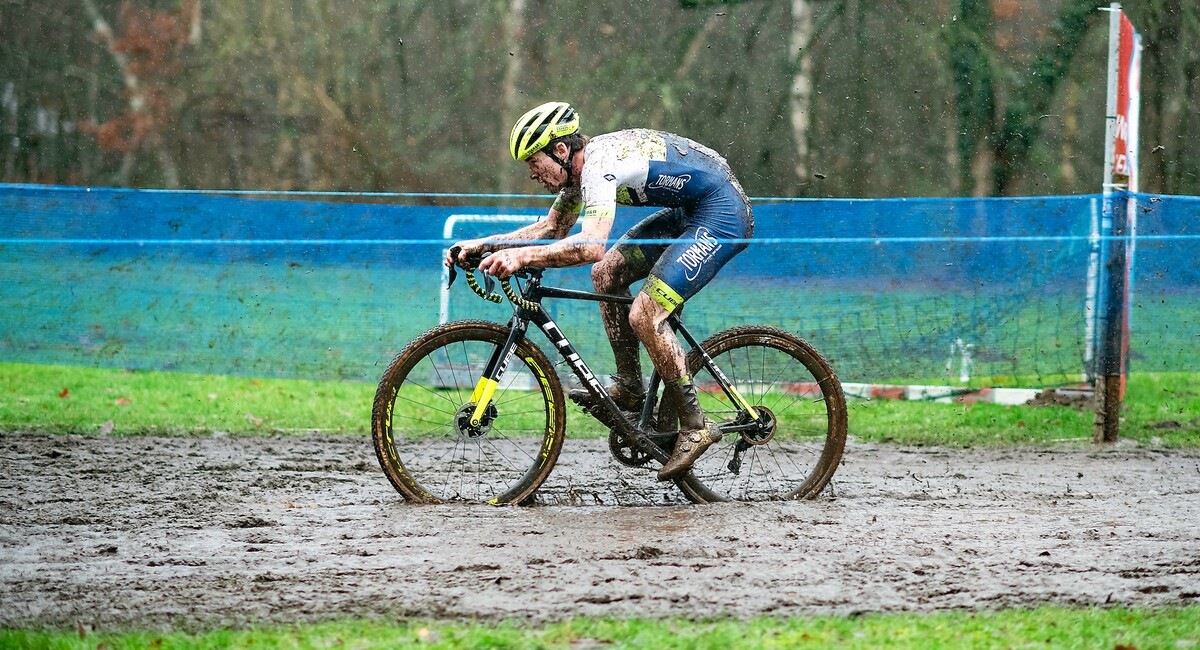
539	126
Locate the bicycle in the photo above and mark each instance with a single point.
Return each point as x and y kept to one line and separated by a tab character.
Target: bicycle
472	410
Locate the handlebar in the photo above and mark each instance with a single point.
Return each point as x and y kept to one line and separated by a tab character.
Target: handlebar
485	291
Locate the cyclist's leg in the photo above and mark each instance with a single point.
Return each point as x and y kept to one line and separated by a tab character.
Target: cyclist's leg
696	433
701	249
613	275
626	263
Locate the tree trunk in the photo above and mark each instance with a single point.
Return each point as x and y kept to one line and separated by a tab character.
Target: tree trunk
859	169
953	162
170	171
969	47
9	104
1022	125
514	31
800	98
195	33
1161	46
1068	171
137	99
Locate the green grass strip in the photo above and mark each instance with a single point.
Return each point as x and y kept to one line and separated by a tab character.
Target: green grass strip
1046	627
68	399
1160	409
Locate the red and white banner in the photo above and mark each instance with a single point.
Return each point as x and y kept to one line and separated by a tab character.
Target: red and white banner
1128	86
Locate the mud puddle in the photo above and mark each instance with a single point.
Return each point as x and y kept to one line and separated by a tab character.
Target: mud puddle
215	531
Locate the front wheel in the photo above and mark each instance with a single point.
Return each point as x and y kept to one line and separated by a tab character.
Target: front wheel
792	451
421	418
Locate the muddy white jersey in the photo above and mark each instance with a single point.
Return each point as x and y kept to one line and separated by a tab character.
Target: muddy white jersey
645	167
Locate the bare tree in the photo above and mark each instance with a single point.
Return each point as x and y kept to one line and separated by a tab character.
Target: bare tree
514	33
800	98
146	109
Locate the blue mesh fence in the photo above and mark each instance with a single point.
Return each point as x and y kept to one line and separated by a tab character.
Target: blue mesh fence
961	291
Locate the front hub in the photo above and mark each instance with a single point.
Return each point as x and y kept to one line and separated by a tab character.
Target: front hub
462	421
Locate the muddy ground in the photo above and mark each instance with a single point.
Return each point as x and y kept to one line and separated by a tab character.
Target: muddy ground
206	532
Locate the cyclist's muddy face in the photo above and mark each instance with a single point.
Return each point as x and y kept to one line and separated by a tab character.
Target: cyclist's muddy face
547	172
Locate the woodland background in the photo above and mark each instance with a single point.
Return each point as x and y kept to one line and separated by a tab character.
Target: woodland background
805	97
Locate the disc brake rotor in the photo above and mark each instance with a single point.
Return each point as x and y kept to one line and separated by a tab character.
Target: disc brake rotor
767	424
462	421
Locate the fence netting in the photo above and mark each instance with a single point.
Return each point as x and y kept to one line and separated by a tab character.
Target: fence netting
968	292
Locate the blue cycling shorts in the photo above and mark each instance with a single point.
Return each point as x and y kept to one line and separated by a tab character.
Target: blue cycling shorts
701	244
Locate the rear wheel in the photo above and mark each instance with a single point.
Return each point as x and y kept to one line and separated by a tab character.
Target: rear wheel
793	449
421	418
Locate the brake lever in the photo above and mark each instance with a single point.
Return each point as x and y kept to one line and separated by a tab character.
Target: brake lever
454	251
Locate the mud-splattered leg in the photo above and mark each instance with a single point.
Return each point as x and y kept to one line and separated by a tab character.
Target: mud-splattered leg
696	433
620	268
649	322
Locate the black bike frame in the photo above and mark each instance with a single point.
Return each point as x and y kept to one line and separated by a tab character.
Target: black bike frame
533	293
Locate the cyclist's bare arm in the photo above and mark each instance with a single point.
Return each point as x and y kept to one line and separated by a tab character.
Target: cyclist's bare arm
556	225
586	247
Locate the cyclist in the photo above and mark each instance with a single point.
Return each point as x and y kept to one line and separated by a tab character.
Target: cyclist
704	207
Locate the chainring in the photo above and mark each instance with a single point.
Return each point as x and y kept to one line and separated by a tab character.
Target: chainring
625	451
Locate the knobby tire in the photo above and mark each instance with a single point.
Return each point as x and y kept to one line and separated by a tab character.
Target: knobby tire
430	458
775	369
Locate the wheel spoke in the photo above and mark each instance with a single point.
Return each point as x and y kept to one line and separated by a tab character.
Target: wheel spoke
515	446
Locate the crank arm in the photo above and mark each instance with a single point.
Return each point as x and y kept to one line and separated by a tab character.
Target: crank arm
644	443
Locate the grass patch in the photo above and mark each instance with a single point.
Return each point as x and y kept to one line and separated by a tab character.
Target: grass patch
1177	627
66	399
1161	409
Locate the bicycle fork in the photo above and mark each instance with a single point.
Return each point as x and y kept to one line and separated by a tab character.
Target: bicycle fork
485	388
